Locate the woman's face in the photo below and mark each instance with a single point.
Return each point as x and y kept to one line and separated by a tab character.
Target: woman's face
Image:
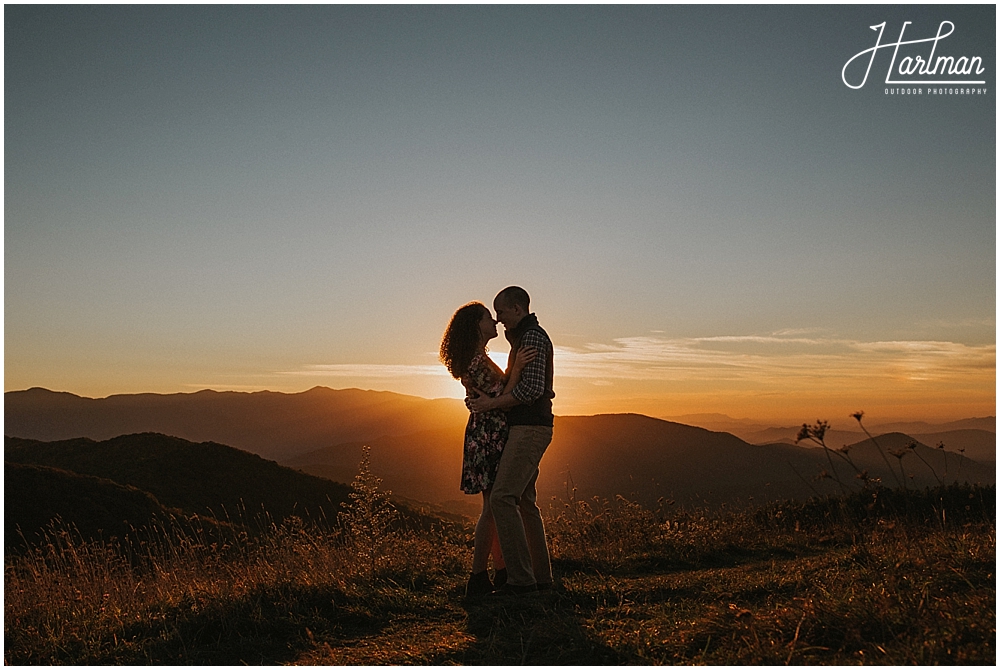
487	326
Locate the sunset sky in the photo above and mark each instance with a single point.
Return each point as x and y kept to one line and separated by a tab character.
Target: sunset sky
707	218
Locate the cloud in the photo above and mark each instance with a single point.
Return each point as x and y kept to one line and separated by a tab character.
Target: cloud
797	331
961	323
779	358
786	364
369	371
383	371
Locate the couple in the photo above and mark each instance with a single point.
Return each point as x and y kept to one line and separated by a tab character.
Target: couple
509	428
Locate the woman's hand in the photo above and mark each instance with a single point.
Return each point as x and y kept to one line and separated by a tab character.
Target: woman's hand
521	360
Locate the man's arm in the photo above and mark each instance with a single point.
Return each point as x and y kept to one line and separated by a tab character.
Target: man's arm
532	384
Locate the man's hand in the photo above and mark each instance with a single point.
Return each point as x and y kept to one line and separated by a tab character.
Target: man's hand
479	401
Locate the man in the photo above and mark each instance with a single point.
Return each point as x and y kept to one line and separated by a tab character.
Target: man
529	416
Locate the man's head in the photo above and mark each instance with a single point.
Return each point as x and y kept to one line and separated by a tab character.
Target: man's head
511	305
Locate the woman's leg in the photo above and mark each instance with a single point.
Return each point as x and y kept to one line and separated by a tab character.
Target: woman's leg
484	538
498	563
479	581
499	567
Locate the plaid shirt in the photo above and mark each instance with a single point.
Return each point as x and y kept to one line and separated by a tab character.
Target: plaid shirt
531	386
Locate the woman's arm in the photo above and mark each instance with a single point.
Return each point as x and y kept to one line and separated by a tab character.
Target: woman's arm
475	398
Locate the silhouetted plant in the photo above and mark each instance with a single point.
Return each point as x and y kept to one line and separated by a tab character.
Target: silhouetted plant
857	416
368	518
912	446
817	434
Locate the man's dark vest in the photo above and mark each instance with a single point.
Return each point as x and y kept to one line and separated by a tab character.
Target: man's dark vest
538	413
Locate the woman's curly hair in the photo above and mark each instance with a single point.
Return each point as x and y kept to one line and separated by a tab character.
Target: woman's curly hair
461	338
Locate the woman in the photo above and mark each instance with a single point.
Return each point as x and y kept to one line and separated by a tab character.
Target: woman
463	352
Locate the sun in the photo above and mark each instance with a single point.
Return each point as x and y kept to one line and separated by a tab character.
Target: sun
499	357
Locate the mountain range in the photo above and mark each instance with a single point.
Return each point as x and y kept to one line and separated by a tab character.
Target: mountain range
977	436
645	459
270	424
417	445
112	487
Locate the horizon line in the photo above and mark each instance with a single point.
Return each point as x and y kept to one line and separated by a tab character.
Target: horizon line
665	417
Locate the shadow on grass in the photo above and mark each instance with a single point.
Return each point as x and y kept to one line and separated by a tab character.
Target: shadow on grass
660	561
726	556
540	629
268	626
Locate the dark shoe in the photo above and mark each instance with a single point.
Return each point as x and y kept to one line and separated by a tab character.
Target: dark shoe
543	586
514	590
499	578
479	585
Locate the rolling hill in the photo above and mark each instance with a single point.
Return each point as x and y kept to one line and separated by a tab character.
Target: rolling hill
979	445
417	445
642	457
274	425
423	466
647	458
634	454
206	478
976	435
34	495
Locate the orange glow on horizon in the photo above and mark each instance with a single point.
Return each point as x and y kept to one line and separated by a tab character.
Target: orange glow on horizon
775	379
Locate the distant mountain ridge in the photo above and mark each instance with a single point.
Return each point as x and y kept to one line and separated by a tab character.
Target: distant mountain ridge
645	458
977	444
417	444
281	426
650	458
976	436
271	424
723	422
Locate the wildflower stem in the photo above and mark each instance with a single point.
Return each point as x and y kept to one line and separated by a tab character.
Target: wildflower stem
879	448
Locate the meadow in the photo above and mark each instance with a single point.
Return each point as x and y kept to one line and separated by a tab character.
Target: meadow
878	576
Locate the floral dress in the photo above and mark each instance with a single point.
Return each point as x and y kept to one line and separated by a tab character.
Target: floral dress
486	432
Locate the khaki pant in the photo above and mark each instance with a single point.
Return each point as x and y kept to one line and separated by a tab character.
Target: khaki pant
518	521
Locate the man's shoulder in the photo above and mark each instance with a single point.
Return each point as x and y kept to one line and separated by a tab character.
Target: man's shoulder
536	335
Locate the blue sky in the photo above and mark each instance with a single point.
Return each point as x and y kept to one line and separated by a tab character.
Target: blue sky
279	197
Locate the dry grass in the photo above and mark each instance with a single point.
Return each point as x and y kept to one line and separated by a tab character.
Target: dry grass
188	601
889	577
897	600
898	578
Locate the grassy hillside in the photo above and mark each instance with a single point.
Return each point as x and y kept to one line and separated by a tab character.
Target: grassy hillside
196	478
883	577
35	495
